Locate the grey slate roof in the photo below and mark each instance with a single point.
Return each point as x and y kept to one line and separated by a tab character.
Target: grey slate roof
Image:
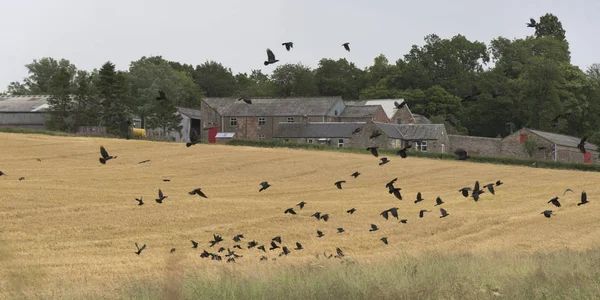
419	119
22	103
421	131
562	140
390	130
355	111
191	113
263	107
317	129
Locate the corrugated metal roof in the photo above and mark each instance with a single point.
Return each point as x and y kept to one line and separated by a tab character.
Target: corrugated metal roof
388	105
191	113
421	131
354	111
27	103
561	139
390	130
225	135
317	129
263	107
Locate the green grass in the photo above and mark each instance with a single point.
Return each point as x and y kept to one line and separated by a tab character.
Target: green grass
534	163
558	275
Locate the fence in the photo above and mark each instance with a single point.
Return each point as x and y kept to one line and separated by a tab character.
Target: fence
91	130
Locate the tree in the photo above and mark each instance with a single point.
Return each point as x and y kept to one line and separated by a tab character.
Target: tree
529	147
117	106
294	80
214	79
17	88
60	102
87	108
339	78
163	116
549	25
40	73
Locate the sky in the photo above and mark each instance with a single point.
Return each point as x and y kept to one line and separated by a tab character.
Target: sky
236	33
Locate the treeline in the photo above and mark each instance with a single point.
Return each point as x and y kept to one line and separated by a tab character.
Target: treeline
526	81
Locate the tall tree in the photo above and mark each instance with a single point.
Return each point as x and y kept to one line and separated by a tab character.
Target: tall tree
549	25
214	79
87	110
294	80
60	102
117	106
41	72
163	116
339	78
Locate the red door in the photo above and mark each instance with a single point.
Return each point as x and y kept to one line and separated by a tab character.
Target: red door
212	133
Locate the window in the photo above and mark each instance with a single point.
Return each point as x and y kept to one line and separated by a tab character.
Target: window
290	119
261	136
262	121
311	141
233	121
424	146
340	143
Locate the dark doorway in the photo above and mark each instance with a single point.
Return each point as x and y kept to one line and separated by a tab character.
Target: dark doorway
195	125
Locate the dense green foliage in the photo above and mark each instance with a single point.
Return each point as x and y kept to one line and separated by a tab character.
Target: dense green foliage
527	81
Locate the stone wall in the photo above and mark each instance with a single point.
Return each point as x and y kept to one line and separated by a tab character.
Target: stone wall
209	116
475	145
403	116
362	140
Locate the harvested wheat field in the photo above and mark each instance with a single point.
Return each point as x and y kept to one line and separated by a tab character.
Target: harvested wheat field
69	228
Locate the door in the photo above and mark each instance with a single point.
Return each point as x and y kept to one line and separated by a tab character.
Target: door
212	134
195	126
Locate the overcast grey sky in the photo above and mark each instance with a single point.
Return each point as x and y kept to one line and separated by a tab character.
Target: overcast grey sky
236	33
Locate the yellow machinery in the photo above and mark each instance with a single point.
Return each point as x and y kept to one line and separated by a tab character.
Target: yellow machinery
139	132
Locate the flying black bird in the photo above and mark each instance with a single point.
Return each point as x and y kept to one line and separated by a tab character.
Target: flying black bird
473	95
532	23
547	213
252	244
375	134
476	194
403	221
161	96
339	252
581	145
399	105
384	161
245	99
340	230
554	202
568	190
357	130
140	200
216	239
419	198
339	184
230	260
462	154
273	246
197	192
172	250
374	227
384	240
21	178
317	215
105	157
390	185
222	249
204	254
238	238
237	246
346	46
490	188
438	201
139	250
161	196
270	58
301	204
396	192
194	244
444	213
465	191
351	211
277	239
402	152
355	174
325	217
452	120
262	247
499	183
289	211
265	185
194	138
320	233
476	186
288	45
2	173
167	180
584	199
393	211
373	151
422	212
285	251
144	161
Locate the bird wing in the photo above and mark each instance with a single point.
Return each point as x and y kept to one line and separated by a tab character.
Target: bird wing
583	197
201	194
270	55
443	211
476	187
103	152
143	247
491	188
160	194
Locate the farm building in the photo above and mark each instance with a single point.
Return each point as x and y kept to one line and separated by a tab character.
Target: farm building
191	120
547	146
23	111
337	134
395	115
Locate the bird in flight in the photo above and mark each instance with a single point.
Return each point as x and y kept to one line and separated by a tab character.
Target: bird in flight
298	246
105	157
555	202
140	200
288	45
238	238
547	213
384	240
375	134
340	230
584	199
194	244
384	161
161	196
422	212
568	190
265	185
438	201
144	161
270	58
346	46
357	130
289	211
374	228
194	139
399	105
355	174
465	191
419	198
444	213
396	192
198	192
245	99
402	152
532	23
301	204
473	95
139	250
490	188
499	183
581	145
216	239
339	184
351	211
320	233
373	151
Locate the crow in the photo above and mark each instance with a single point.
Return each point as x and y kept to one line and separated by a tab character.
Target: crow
452	120
289	211
298	246
438	201
277	239
139	250
351	211
140	200
285	251
490	188
547	213
105	157
265	185
320	233
473	95
476	186
161	196
252	244
419	198
397	194
402	152
238	238
230	260
301	204
194	244
197	192
355	174
144	161
581	145
422	212
340	230
462	154
375	134
584	199
216	239
394	212
346	46
390	185
288	45
204	254
554	202
476	194
465	191
403	221
245	99
357	130
262	247
339	184
325	217
273	246
221	249
499	183
339	252
270	58
194	138
384	214
374	227
373	151
172	250
237	246
317	215
532	23
444	213
2	173
161	96
384	161
568	190
399	105
384	240
167	180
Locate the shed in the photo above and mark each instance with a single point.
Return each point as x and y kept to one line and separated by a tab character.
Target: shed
224	137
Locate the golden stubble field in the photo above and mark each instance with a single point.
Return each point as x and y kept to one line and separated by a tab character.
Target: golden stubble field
73	222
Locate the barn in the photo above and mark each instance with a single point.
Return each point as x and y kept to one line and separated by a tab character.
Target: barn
23	111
